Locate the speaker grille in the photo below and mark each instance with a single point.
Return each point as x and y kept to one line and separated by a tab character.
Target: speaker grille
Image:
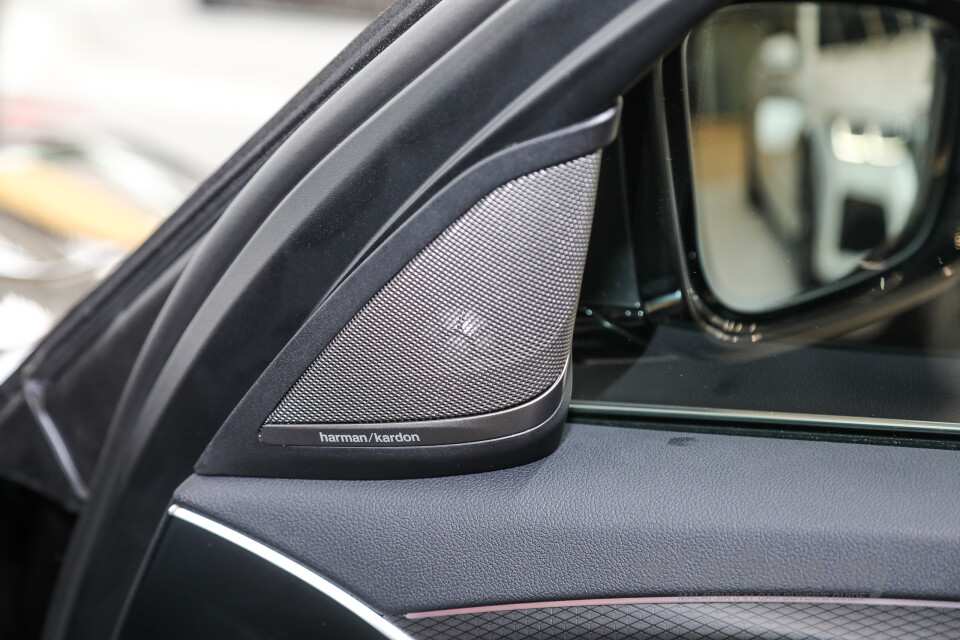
479	321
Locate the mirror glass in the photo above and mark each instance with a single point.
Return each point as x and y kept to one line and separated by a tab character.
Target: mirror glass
814	134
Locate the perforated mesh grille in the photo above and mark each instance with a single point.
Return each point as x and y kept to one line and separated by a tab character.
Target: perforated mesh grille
695	621
481	320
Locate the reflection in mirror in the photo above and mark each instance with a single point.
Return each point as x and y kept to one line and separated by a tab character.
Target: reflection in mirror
813	130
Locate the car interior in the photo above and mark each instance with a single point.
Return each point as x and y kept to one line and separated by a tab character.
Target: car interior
554	319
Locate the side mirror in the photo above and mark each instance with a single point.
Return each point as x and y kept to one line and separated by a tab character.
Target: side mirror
820	137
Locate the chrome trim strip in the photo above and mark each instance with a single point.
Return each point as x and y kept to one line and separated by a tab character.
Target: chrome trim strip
769	417
295	569
33	394
468	429
560	604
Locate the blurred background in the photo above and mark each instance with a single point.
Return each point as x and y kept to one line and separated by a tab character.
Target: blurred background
112	111
809	127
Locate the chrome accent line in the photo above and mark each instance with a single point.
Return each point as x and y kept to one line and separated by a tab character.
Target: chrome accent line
759	417
467	429
33	394
295	569
596	602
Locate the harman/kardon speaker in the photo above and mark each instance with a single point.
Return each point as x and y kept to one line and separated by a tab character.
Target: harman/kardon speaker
477	327
446	348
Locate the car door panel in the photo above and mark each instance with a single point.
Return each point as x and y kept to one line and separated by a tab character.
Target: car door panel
260	198
186	384
643	529
619	512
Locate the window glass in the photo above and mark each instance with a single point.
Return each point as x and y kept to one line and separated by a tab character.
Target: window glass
869	95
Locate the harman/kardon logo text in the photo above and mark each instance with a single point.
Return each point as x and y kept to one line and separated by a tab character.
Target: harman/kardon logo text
367	438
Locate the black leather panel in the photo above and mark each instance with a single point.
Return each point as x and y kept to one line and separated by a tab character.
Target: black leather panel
622	512
202	587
